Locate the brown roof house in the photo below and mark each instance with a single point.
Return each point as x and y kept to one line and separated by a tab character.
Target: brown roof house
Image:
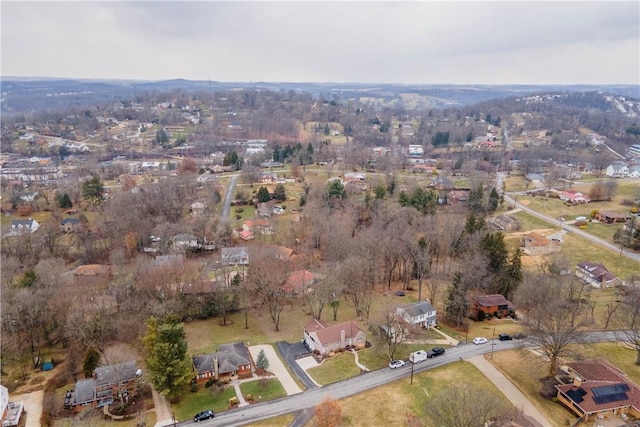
537	244
599	389
300	282
92	273
324	339
230	362
609	217
490	305
595	274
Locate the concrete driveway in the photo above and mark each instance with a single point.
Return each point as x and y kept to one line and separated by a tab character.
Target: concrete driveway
32	406
511	392
276	367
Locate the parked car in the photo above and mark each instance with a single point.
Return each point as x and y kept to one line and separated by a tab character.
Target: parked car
436	351
480	340
400	293
505	337
519	336
204	415
396	364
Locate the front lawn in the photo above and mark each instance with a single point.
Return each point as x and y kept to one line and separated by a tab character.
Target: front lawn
263	389
340	367
203	399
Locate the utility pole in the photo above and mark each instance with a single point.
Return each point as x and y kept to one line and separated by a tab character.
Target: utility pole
493	342
411	371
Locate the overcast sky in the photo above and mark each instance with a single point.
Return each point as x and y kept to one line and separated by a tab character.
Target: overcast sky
532	42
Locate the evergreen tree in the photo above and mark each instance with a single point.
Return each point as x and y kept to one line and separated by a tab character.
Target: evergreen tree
279	193
91	362
230	159
511	276
473	224
263	195
167	361
63	200
455	304
93	190
476	199
262	361
493	246
494	200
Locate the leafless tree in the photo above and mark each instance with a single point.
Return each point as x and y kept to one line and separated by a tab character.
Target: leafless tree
393	330
458	405
628	318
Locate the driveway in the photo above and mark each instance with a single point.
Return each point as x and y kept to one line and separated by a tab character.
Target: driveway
276	367
32	406
511	392
291	353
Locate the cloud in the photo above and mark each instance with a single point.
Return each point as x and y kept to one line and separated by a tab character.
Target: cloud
420	42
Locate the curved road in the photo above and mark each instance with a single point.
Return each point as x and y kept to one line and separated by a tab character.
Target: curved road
366	381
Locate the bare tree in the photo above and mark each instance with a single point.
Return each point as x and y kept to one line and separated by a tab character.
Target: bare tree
393	329
458	405
628	318
266	277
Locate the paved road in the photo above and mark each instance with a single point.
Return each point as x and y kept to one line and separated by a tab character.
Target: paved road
226	207
595	239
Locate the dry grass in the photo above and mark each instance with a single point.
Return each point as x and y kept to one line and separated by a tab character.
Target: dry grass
525	371
282	420
388	405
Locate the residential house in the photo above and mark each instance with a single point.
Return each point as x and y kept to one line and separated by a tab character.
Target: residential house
235	256
184	241
457	196
535	177
491	305
285	254
92	273
100	389
505	222
617	170
537	244
299	283
573	197
231	361
4	403
70	225
599	389
268	177
428	170
634	171
421	313
634	150
324	339
196	208
595	274
609	217
20	226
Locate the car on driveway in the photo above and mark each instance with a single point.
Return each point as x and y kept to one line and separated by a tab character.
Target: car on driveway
396	364
204	415
505	337
480	340
436	351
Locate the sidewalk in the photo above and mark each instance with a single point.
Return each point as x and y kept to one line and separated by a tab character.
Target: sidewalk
511	392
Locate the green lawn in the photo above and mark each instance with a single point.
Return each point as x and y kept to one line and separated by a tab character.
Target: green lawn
203	399
340	367
269	389
282	420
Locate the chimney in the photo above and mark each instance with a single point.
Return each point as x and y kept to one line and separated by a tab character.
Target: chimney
343	337
577	381
216	373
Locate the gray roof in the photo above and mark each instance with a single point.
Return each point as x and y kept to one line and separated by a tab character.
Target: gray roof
24	222
84	391
70	221
418	308
230	358
116	373
237	255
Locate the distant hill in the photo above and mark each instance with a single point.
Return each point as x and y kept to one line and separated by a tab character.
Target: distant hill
21	95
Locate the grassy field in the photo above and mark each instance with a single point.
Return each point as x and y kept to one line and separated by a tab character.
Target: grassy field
283	420
203	399
387	405
149	418
269	389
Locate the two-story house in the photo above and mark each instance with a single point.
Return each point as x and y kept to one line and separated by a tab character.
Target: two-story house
20	226
421	313
491	305
595	274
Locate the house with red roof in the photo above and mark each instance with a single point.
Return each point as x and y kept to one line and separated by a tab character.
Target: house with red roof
320	337
598	390
536	244
300	282
573	197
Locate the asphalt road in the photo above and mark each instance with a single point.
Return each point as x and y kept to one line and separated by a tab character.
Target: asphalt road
595	239
226	207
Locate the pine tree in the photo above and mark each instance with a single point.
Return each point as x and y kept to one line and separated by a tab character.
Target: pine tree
262	362
263	195
91	361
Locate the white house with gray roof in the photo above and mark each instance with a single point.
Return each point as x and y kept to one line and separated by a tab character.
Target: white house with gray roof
421	313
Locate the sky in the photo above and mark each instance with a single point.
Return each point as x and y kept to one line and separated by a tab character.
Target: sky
417	42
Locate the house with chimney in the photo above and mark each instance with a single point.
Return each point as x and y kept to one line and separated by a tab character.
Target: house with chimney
537	244
106	384
490	305
231	361
597	390
323	339
596	274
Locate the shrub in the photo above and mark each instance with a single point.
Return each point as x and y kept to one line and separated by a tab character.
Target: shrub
209	383
194	387
239	210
